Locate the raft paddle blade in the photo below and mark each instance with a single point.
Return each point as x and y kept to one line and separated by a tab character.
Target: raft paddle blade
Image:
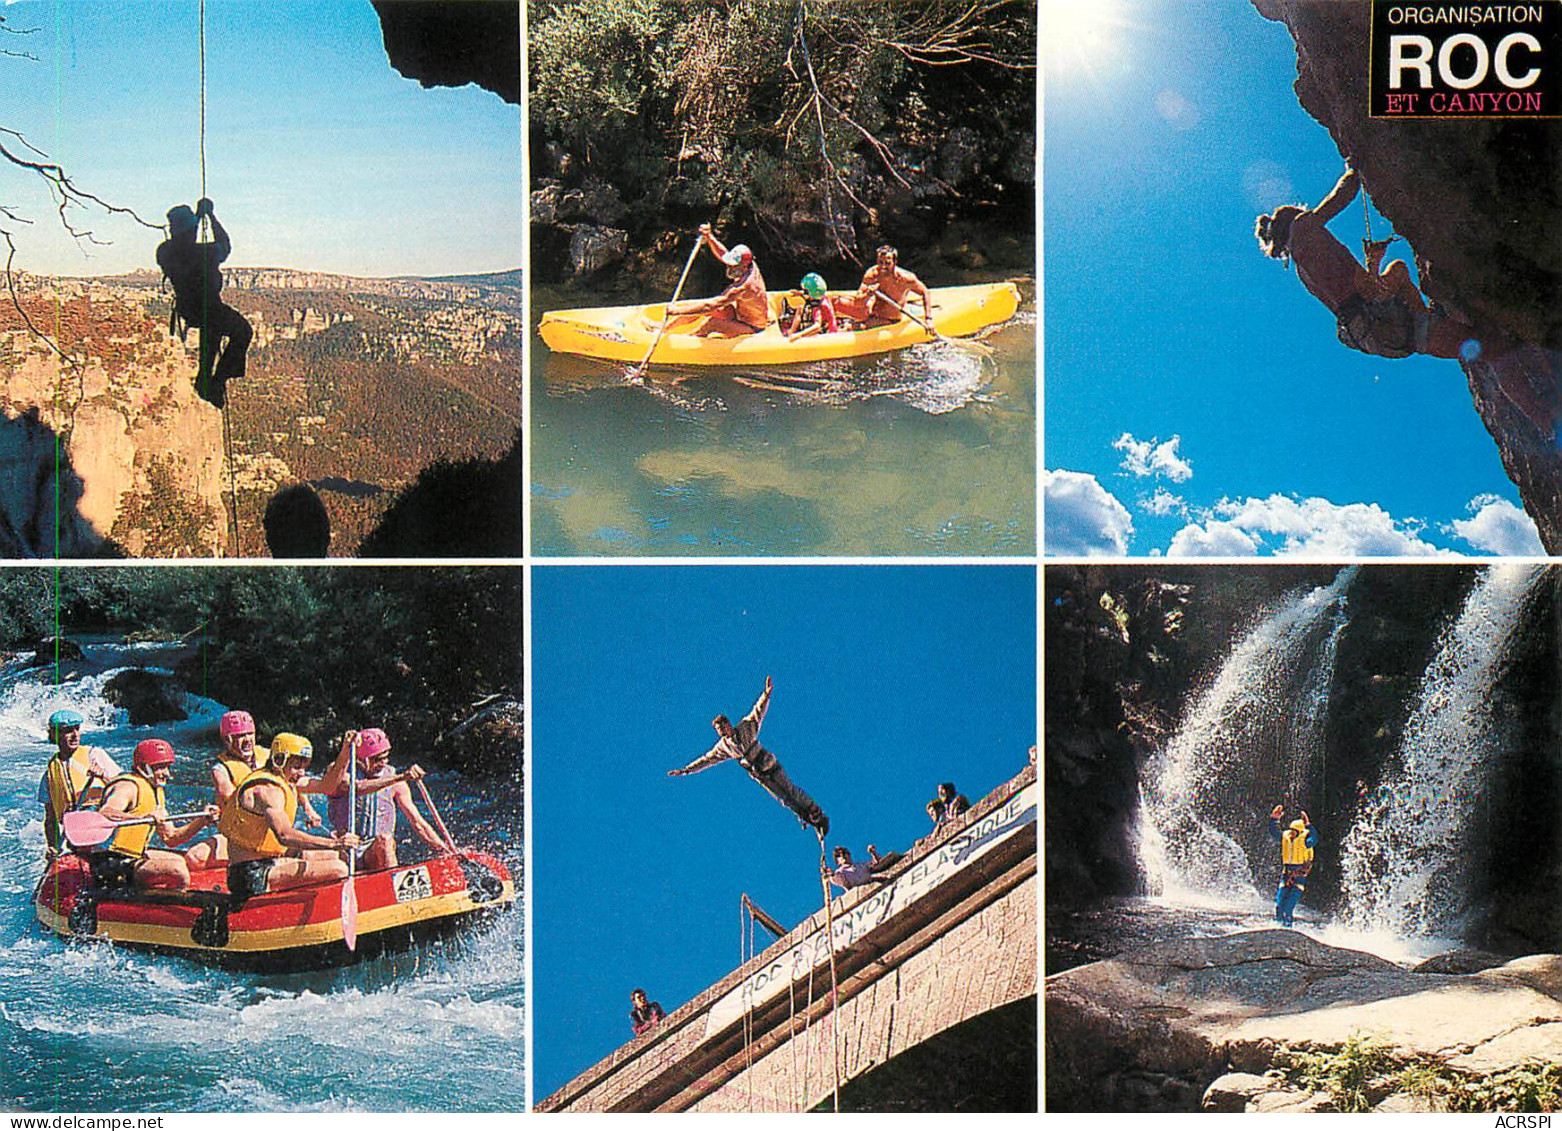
350	913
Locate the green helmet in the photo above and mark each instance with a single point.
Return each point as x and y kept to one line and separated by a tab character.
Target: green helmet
813	285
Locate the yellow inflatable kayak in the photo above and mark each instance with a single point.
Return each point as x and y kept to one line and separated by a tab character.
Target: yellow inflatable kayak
624	333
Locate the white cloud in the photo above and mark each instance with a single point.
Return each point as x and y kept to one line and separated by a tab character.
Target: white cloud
1498	527
1148	457
1301	528
1083	518
1163	503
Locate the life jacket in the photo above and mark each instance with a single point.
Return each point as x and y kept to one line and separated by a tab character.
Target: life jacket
1384	327
131	840
69	782
376	811
252	831
238	772
1293	847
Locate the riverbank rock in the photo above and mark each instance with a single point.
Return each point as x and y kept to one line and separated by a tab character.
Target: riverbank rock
149	697
1193	1009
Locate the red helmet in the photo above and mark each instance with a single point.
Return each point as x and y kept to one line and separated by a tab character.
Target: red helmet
236	722
152	752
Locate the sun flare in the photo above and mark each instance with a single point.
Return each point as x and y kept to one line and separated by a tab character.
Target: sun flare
1081	36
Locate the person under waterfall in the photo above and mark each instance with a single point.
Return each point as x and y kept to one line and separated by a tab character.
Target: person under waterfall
1297	841
741	744
194	272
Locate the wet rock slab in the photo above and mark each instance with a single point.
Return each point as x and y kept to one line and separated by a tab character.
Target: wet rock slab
1195	1009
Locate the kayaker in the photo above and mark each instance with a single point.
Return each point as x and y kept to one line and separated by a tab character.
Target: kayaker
125	859
193	270
884	284
644	1015
816	313
1297	842
744	307
741	743
382	794
74	777
266	852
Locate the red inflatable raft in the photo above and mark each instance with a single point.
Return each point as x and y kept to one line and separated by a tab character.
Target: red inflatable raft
297	929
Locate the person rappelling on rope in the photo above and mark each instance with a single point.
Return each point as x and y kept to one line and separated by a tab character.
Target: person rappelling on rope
193	269
741	743
1297	841
1380	310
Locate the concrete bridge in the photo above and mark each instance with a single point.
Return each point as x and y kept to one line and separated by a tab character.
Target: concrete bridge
935	971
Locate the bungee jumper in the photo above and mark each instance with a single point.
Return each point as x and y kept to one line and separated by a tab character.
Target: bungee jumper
1297	841
740	743
193	269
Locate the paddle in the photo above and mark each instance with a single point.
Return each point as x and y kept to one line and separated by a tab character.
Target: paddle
87	828
980	347
349	892
438	820
638	372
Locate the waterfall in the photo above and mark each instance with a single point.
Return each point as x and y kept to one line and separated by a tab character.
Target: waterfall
1409	859
1253	737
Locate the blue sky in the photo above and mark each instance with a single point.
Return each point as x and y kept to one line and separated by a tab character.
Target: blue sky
887	681
319	154
1240	423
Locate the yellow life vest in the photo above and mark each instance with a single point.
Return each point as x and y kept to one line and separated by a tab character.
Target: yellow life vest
238	772
252	831
68	779
1293	847
131	840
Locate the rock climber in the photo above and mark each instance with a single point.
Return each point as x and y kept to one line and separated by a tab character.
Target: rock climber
744	307
1379	310
74	777
1297	841
741	743
125	859
193	268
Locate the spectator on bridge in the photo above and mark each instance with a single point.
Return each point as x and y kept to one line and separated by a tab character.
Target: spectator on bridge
851	873
954	802
935	812
645	1015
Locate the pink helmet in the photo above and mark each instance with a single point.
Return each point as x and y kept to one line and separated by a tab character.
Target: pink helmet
371	742
236	722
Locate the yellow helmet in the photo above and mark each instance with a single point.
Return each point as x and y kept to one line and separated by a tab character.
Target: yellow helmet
286	747
1298	826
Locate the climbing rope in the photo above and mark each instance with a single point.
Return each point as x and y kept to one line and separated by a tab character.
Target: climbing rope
835	999
227	428
745	952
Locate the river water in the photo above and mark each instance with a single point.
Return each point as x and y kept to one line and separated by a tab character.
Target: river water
90	1027
925	451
